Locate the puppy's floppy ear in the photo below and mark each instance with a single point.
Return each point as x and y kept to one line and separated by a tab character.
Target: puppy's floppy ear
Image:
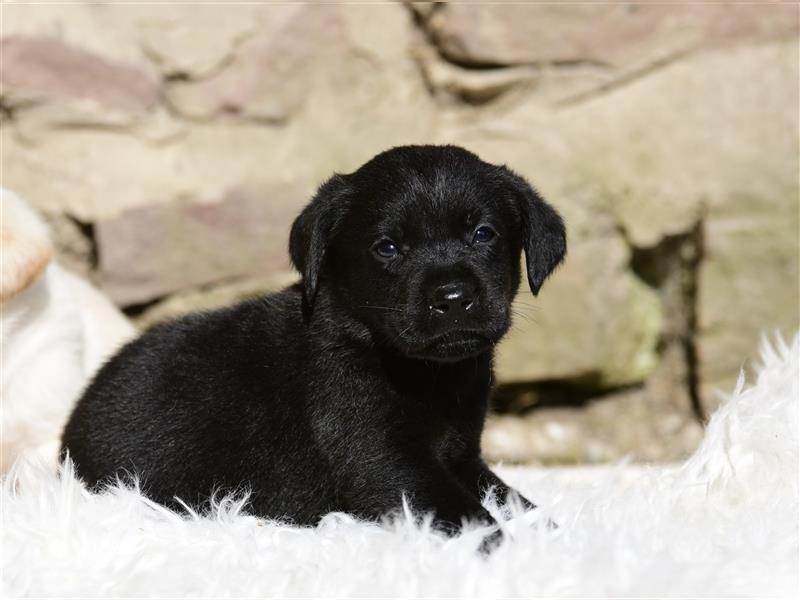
544	235
313	229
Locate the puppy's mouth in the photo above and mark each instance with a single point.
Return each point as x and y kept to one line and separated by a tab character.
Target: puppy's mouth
453	346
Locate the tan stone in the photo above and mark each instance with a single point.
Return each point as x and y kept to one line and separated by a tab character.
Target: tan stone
149	252
729	160
606	336
749	287
94	174
556	436
196	41
541	84
300	53
614	34
472	85
56	83
650	422
269	74
108	30
77	65
35	69
630	425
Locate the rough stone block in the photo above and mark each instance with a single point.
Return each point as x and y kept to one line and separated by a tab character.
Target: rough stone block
612	34
149	252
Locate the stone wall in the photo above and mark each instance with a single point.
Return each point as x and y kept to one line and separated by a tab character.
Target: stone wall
171	146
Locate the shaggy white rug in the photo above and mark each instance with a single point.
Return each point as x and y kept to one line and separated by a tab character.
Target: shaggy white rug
723	524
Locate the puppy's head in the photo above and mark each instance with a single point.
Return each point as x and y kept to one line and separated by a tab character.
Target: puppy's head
422	245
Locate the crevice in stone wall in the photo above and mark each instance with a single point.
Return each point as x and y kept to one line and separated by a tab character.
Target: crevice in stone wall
11	109
87	231
522	398
625	78
671	268
421	13
132	311
75	243
177	77
6	111
468	83
691	352
421	19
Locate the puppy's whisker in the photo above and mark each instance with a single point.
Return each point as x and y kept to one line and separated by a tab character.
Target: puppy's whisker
524	304
525	310
382	307
527	318
522	307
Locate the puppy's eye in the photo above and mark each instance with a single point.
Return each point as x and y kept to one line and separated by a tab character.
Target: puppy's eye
483	234
386	249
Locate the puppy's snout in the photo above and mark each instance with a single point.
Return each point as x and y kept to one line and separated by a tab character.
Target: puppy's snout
452	299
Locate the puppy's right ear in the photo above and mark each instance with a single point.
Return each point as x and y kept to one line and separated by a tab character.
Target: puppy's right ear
312	231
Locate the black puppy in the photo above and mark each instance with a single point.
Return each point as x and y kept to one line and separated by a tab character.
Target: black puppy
367	381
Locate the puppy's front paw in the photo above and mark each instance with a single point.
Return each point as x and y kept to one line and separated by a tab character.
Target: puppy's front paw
455	525
491	542
536	520
451	521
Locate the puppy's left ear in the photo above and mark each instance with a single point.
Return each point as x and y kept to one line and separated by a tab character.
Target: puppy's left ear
544	234
312	231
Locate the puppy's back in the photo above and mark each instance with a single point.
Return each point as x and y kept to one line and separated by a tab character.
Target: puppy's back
202	403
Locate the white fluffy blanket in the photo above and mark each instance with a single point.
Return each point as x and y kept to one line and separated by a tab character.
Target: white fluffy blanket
725	523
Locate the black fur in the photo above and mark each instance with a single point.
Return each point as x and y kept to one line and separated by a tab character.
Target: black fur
367	381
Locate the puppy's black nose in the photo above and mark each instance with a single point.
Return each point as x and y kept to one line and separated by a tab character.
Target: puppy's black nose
452	299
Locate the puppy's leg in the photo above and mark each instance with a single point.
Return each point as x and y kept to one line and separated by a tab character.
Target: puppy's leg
476	476
451	504
430	488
